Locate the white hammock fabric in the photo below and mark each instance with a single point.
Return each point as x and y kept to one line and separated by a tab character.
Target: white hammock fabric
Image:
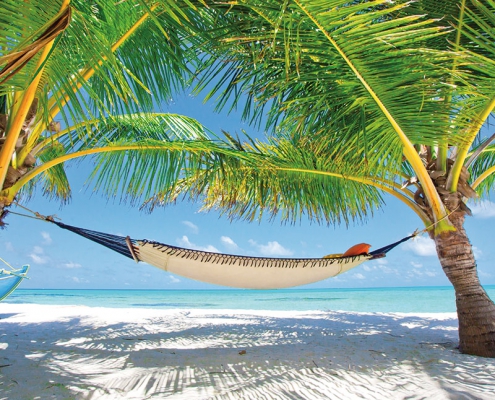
241	271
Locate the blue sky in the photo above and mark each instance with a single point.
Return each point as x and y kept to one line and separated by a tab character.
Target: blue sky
61	259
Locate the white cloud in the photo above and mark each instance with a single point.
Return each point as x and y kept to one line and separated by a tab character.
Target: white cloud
484	274
387	270
424	246
174	279
477	252
421	246
381	267
415	272
38	256
193	228
38	250
9	246
71	265
229	243
358	276
482	209
37	259
46	238
271	248
82	280
185	242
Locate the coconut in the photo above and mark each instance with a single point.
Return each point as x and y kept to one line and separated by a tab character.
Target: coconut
12	176
29	161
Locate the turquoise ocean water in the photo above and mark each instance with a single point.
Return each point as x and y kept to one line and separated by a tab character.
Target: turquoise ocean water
407	300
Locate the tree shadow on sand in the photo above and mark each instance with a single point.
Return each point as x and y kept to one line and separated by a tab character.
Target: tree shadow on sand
205	354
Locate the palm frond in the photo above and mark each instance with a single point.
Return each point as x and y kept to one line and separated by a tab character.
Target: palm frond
23	27
306	61
134	171
132	127
53	182
484	163
126	134
144	154
286	178
475	65
124	75
141	151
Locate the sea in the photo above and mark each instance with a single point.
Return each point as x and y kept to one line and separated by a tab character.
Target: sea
384	300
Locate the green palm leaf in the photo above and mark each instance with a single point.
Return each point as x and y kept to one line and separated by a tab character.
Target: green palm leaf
310	59
286	177
22	40
53	182
478	45
135	153
485	162
132	127
155	59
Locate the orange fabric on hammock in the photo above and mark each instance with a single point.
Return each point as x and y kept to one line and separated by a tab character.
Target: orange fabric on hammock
357	249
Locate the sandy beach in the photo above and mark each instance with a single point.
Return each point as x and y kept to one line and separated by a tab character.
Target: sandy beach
78	352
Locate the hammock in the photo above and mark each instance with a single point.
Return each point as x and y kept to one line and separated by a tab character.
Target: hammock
10	279
231	270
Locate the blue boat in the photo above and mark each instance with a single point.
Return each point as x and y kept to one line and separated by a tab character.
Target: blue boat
10	279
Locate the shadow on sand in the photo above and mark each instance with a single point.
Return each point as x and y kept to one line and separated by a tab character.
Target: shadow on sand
203	354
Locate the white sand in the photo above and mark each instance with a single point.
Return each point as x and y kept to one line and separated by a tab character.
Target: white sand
69	352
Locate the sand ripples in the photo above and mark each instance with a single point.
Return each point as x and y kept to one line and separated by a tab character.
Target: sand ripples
142	354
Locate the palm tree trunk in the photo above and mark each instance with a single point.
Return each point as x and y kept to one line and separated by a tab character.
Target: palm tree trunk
475	310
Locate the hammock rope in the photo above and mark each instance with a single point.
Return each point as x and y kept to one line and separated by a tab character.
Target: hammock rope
113	242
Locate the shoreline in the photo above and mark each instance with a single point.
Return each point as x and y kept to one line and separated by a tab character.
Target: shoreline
84	352
426	300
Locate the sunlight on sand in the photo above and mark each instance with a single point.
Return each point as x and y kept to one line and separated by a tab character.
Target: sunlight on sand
101	353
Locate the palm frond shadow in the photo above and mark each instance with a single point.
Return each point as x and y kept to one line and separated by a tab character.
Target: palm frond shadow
185	353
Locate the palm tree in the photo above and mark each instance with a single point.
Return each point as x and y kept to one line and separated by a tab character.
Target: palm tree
80	78
361	98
